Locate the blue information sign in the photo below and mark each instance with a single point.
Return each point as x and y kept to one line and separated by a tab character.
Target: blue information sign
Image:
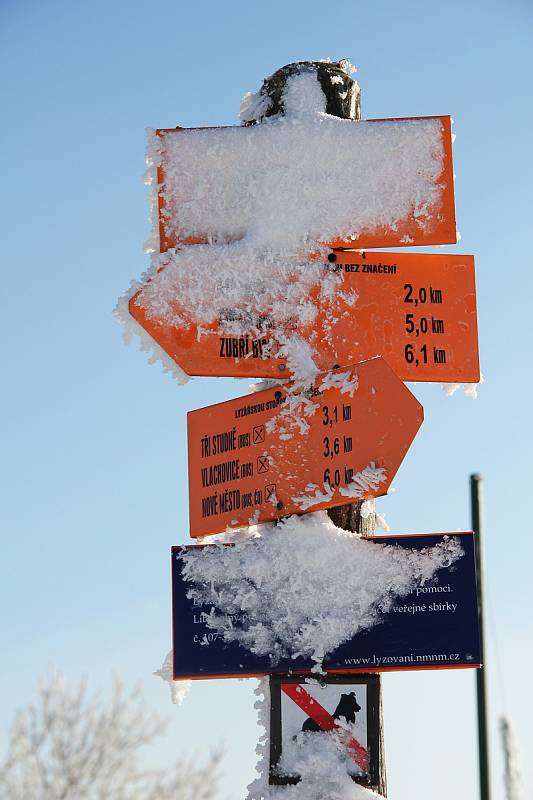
435	626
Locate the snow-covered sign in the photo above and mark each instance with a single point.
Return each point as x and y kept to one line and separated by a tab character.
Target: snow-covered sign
418	311
291	449
336	710
307	593
376	183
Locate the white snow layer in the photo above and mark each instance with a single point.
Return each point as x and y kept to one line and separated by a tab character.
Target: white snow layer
207	279
153	161
320	762
253	106
265	196
281	187
178	689
470	389
301	95
369	479
299	179
306	586
131	328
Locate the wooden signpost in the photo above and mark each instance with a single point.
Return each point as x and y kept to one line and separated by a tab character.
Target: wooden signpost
416	310
274	453
287	450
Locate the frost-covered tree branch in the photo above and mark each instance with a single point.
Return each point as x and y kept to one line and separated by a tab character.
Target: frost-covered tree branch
73	746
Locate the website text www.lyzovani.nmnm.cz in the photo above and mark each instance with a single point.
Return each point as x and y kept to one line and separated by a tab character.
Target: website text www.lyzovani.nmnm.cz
391	661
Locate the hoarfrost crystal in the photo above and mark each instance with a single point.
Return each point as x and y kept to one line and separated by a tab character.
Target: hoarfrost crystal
306	586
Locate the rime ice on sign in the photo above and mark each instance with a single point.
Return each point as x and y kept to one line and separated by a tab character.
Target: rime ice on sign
338	711
418	311
266	195
299	180
307	595
288	450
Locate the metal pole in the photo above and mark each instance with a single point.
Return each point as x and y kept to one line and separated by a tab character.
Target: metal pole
476	495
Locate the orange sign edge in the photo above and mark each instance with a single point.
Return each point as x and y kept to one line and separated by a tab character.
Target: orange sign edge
376	240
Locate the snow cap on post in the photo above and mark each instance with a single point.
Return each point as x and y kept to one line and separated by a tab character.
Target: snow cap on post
341	92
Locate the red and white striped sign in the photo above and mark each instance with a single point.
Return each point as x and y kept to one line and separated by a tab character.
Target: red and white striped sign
326	722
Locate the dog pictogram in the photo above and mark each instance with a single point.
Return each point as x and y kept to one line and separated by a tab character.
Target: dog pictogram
320	720
347	707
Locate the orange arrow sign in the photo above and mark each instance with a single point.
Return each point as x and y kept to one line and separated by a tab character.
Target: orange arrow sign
417	310
277	452
390	180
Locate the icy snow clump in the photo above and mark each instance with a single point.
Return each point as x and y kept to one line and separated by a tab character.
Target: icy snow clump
306	586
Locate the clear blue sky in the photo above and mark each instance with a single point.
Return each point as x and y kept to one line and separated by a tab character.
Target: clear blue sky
94	468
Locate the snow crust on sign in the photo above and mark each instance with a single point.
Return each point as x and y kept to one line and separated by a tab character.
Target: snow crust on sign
369	479
178	689
250	292
281	187
253	106
153	161
301	178
306	586
317	757
131	328
470	389
295	739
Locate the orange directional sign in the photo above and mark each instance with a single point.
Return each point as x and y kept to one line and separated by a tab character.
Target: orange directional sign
403	181
417	310
276	452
